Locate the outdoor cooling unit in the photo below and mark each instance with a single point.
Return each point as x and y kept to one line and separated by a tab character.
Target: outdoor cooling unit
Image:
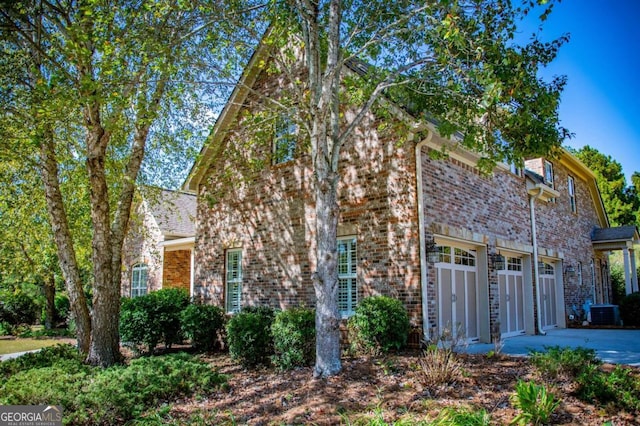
605	315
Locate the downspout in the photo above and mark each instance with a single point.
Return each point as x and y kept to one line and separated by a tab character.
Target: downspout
421	232
536	272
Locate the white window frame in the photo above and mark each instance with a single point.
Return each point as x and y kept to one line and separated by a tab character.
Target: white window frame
548	173
285	136
347	276
139	279
571	188
580	273
233	280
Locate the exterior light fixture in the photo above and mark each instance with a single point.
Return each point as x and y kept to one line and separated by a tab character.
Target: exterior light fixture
570	270
433	254
498	261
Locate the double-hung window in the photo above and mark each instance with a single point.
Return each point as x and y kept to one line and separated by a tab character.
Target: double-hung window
572	194
548	173
347	287
284	144
233	281
139	277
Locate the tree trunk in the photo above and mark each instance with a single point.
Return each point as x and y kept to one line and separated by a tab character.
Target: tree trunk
105	334
64	242
50	297
325	278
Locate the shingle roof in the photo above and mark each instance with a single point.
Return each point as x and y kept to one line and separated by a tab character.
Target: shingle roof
175	213
536	178
620	233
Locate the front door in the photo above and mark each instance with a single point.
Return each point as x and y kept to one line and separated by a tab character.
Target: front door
457	291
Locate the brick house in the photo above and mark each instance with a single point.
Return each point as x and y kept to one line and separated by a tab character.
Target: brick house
158	249
512	250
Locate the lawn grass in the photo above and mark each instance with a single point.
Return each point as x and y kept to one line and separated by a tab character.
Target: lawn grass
26	344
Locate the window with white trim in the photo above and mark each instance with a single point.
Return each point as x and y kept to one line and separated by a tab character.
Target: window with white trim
233	280
572	194
139	278
548	173
347	283
580	273
284	141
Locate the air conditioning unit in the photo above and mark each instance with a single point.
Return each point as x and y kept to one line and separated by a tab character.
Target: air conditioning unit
605	315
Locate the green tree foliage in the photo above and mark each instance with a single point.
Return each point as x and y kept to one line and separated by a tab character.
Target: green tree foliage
450	62
622	202
93	85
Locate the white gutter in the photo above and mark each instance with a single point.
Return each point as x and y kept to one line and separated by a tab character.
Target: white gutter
534	242
421	232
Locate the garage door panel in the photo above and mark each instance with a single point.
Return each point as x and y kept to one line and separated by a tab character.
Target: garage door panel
446	296
502	289
519	302
472	305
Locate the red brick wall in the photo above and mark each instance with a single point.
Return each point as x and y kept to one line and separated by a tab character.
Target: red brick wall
177	269
269	212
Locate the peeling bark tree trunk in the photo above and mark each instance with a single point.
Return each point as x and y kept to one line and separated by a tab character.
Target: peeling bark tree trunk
64	242
105	335
326	279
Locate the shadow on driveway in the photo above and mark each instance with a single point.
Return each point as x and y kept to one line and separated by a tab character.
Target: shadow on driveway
614	346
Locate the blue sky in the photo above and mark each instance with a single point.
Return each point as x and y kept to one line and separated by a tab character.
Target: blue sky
601	102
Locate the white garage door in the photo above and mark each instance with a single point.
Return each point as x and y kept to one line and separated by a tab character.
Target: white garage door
511	287
547	290
457	291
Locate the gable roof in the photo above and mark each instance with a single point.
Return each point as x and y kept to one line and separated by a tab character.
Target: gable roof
174	212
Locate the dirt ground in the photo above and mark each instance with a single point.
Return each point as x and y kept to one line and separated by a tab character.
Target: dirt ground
389	388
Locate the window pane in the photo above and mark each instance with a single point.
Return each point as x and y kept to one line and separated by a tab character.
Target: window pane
284	140
234	280
347	287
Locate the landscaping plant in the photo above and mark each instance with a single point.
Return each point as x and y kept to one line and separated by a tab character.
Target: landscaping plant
380	324
249	336
294	334
535	403
202	324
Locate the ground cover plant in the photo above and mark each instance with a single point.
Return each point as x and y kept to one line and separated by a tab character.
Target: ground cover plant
92	395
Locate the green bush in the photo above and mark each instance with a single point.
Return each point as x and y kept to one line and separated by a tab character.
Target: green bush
116	395
461	416
18	308
6	329
153	318
45	357
379	324
202	325
119	394
630	309
294	338
249	336
619	389
556	361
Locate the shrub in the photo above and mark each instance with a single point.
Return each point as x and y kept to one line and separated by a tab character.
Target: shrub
18	308
618	389
153	318
294	334
535	403
249	336
379	324
121	393
202	324
57	384
630	309
6	329
116	395
557	361
46	357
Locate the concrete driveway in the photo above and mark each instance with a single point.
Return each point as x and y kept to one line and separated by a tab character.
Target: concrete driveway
612	345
